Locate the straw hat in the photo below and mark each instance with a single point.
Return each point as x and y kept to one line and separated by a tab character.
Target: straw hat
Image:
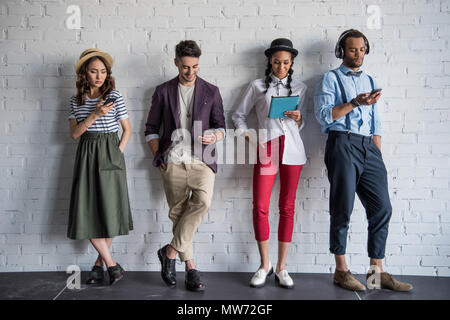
89	53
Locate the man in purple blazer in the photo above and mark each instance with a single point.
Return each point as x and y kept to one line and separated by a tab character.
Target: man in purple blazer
190	111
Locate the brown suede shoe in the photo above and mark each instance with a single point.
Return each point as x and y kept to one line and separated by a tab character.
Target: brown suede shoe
388	282
346	280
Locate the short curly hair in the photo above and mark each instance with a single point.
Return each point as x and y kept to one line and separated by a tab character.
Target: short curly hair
187	48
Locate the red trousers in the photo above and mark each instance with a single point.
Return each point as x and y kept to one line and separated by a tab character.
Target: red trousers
264	174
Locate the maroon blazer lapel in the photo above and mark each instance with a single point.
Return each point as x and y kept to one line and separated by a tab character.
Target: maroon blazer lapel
173	101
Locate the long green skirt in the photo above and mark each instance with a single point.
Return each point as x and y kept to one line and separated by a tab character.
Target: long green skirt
99	204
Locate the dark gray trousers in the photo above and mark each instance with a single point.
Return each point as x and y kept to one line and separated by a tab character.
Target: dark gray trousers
355	165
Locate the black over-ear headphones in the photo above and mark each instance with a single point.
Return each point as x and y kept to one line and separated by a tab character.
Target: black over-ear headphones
339	49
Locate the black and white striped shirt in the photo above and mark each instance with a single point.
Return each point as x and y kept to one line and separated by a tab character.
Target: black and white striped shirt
107	123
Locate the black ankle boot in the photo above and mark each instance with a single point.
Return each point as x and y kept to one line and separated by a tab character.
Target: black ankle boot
97	275
115	273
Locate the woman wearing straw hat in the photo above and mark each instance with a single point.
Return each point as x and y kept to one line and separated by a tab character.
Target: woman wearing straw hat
99	204
280	149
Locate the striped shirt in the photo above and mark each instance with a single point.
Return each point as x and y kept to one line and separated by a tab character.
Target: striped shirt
106	123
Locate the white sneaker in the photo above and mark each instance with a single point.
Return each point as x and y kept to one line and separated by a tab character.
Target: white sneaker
259	278
284	280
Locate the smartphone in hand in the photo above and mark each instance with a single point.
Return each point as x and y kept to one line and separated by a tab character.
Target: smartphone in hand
108	101
375	90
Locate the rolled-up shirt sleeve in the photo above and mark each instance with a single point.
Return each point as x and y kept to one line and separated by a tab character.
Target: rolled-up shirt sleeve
324	100
72	109
151	137
119	103
245	105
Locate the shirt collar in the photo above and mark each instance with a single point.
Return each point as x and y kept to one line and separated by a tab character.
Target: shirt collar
345	69
275	80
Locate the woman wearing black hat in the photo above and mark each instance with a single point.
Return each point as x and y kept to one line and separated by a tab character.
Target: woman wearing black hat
99	204
280	147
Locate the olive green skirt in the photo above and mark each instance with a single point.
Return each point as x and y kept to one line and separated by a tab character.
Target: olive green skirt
99	204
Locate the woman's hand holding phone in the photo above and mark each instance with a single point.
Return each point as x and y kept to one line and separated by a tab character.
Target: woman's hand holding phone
104	107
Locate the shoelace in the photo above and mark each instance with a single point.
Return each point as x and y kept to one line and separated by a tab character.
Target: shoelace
347	274
390	278
169	264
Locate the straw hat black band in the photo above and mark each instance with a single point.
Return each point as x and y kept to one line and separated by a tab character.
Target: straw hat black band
89	53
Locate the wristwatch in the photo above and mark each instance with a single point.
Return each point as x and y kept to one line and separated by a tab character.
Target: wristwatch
354	102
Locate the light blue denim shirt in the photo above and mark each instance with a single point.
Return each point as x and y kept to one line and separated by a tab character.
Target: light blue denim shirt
328	95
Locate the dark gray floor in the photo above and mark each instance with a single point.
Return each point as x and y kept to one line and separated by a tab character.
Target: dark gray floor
220	286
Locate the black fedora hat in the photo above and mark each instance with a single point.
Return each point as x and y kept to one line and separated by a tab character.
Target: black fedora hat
281	44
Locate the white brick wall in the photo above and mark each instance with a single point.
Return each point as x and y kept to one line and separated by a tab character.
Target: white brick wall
410	57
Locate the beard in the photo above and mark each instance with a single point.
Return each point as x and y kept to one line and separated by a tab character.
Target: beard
353	63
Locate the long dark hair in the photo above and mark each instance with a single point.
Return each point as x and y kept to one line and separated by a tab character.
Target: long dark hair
268	79
82	83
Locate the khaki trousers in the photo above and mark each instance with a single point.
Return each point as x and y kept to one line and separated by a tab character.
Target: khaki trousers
189	190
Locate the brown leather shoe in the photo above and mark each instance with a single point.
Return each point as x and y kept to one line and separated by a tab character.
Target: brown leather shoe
346	280
388	282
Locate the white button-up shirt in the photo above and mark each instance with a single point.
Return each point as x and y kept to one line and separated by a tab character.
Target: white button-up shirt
254	96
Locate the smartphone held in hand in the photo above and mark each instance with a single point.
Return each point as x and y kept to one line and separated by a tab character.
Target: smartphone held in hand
109	100
375	90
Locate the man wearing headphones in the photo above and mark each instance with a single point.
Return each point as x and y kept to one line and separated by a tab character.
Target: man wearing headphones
345	104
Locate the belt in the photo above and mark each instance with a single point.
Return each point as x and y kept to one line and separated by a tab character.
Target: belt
352	135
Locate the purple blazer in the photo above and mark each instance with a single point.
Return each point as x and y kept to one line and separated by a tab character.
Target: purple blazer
165	109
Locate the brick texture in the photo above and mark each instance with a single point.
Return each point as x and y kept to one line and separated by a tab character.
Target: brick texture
410	58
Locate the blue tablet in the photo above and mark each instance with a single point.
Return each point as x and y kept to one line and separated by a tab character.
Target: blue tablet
279	105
